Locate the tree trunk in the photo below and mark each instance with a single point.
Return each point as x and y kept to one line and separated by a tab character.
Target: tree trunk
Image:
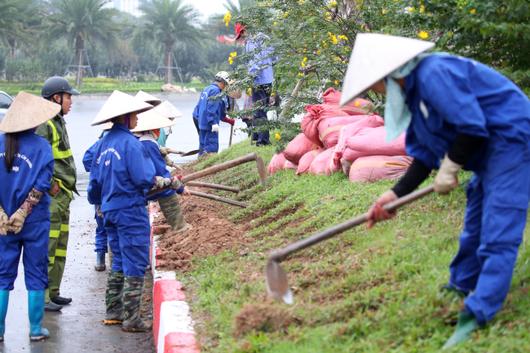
12	47
79	47
168	64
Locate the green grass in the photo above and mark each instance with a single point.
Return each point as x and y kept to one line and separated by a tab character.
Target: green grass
96	85
363	291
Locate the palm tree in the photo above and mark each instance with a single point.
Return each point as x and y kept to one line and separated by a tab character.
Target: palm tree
169	22
82	21
19	20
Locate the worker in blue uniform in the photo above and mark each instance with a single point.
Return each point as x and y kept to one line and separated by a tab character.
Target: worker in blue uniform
101	239
150	123
468	116
26	169
209	111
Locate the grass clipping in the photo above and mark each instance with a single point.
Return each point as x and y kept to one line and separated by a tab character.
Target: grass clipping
262	318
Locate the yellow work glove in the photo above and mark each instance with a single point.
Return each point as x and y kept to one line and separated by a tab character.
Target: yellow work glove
17	219
161	182
3	222
446	179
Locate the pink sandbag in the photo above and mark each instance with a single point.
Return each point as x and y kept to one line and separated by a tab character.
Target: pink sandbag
347	131
372	168
278	162
314	114
323	164
299	146
329	128
358	106
305	162
372	141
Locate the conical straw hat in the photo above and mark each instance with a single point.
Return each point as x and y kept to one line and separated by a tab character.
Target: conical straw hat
151	120
168	110
119	104
374	56
148	98
27	112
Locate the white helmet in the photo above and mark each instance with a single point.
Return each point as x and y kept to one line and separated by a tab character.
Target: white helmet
223	76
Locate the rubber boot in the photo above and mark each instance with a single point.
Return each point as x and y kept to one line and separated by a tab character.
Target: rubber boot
113	299
4	301
100	261
132	298
170	207
36	313
467	324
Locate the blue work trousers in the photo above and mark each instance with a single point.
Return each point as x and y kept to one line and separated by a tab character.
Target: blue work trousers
493	228
34	239
260	101
101	235
208	142
128	231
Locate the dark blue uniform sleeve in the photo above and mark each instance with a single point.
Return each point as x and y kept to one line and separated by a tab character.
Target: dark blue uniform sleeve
444	84
88	157
419	152
196	112
154	154
213	109
139	165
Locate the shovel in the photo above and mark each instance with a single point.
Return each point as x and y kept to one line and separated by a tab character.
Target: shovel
276	278
184	154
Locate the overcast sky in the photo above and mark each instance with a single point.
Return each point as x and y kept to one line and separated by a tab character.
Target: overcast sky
208	7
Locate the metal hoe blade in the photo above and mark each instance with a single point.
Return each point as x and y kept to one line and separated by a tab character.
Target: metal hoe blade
277	285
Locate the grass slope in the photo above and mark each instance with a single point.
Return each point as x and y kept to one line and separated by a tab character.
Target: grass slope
364	291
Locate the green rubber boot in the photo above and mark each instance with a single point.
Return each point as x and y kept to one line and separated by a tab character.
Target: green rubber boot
113	299
170	207
132	299
467	324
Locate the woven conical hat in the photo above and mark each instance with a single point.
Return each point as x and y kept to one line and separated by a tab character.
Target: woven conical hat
119	104
148	98
27	112
374	56
168	110
151	120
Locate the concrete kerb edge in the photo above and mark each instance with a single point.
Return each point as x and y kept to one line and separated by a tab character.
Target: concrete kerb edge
172	323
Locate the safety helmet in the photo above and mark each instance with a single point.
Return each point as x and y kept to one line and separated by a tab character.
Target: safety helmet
223	76
57	84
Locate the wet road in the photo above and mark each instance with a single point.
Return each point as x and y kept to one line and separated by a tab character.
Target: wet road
78	327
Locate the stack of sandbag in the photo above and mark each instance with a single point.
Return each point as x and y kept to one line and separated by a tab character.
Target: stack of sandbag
279	162
373	168
358	106
305	162
292	154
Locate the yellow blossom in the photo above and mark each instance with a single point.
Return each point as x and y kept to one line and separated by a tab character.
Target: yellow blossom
410	9
422	8
227	17
303	62
277	136
337	82
333	38
318	52
332	3
384	11
300	74
275	23
286	14
423	34
473	11
233	54
328	16
343	37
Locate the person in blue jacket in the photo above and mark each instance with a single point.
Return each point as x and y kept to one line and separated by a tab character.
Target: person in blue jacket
121	174
147	130
209	111
468	116
101	243
26	169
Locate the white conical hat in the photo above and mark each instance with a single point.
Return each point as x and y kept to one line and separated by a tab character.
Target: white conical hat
374	56
28	111
168	110
119	104
148	98
151	120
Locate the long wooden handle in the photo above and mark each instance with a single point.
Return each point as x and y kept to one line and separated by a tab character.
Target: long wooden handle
281	254
219	167
218	198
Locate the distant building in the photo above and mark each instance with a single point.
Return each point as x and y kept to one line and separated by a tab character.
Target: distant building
129	6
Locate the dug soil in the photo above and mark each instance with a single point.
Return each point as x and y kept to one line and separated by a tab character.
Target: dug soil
211	234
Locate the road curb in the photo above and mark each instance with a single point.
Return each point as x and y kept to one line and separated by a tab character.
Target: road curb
172	324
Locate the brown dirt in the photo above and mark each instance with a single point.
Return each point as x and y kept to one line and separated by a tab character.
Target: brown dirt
211	234
262	317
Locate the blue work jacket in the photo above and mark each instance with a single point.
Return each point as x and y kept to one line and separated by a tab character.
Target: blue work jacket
261	59
153	151
122	173
448	95
209	110
32	168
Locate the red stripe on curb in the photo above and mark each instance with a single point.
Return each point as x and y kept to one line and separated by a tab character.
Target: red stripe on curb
181	343
164	290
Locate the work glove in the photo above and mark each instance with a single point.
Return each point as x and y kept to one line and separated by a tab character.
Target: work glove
54	189
229	120
177	184
215	128
164	151
17	219
161	182
377	213
3	222
446	179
